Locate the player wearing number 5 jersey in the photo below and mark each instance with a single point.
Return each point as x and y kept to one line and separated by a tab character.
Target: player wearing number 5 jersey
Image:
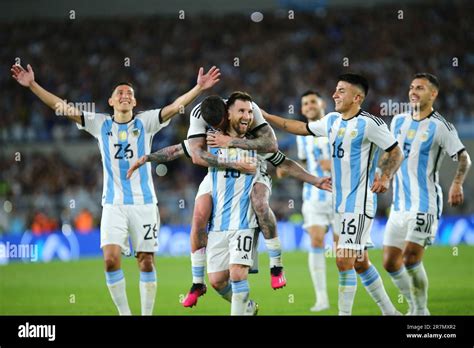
425	137
356	138
129	206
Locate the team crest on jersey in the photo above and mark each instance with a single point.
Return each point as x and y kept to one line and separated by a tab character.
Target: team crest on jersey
354	133
340	132
411	134
424	136
122	135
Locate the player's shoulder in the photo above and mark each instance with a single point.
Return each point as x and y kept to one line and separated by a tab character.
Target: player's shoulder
441	121
378	121
146	113
402	115
330	115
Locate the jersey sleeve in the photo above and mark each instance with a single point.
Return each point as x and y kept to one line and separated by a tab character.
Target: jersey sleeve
378	133
92	123
449	140
300	147
258	119
152	121
318	128
186	148
197	125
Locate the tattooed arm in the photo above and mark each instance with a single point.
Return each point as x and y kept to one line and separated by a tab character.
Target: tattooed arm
290	126
264	140
291	168
456	195
389	164
163	155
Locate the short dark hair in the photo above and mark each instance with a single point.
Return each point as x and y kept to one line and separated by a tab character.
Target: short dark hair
213	110
430	77
121	83
310	92
357	80
238	95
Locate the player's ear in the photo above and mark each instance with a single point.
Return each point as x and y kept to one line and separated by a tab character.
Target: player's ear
111	102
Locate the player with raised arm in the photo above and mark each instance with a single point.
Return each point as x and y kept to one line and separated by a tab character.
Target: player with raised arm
317	209
355	137
425	137
129	206
278	159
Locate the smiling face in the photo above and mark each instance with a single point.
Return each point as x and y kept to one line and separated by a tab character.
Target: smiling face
123	99
312	107
346	95
422	94
240	116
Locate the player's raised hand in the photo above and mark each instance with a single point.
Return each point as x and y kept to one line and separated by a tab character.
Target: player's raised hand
141	161
208	80
324	183
456	195
381	184
23	77
218	139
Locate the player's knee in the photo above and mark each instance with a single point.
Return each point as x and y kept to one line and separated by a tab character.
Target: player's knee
391	265
410	257
361	266
218	284
260	207
238	272
344	264
317	242
112	263
145	262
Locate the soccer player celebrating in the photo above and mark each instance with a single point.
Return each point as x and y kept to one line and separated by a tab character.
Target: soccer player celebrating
317	204
355	137
129	206
425	137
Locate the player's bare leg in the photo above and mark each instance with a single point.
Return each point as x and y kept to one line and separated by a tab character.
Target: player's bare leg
317	267
147	282
372	281
221	283
260	197
412	258
115	278
200	220
393	264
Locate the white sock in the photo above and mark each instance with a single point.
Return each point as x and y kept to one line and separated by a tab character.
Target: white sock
117	288
374	286
226	293
419	287
317	268
240	296
198	262
274	251
401	279
347	291
147	291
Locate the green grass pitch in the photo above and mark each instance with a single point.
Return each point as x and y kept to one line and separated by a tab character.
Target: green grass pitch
78	287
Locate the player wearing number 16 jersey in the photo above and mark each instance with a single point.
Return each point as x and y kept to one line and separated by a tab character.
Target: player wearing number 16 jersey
425	137
129	206
356	138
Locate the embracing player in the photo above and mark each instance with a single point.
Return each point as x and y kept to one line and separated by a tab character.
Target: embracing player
425	137
129	206
355	137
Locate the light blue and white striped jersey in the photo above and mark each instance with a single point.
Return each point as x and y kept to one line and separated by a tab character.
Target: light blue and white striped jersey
424	144
121	144
312	150
355	145
231	206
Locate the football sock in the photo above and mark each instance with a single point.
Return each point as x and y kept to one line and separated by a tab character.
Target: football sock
198	262
274	251
419	282
117	288
226	292
317	268
347	291
401	279
147	291
240	295
374	286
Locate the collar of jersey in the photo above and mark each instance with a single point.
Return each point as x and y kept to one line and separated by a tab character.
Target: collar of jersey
133	117
427	117
348	119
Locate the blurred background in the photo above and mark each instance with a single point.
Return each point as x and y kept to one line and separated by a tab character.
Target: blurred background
51	173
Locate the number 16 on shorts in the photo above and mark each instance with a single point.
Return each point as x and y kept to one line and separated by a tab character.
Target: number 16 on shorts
353	230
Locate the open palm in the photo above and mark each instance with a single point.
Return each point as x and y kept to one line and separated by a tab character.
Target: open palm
24	77
209	79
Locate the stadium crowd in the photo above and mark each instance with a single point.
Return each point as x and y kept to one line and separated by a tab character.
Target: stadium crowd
274	60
